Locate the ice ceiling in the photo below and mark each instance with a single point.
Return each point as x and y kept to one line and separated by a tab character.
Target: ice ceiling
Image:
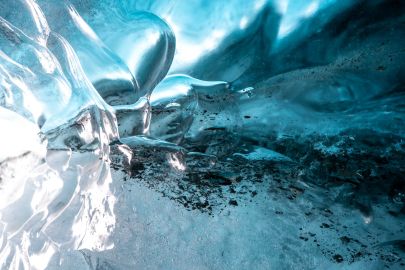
108	106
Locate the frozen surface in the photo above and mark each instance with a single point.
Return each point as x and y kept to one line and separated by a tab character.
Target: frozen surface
263	231
169	134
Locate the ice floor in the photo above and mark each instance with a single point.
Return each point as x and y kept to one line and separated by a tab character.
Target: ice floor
268	220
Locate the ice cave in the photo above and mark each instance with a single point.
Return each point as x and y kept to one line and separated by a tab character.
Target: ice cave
202	134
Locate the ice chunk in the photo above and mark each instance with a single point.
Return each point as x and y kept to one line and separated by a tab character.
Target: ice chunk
35	85
216	120
146	44
108	73
93	125
173	105
91	129
32	80
185	106
133	119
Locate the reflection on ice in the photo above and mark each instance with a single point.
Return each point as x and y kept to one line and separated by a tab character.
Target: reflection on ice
146	44
27	16
65	207
42	79
109	75
291	107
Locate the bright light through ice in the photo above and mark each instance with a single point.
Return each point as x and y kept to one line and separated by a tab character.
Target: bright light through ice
243	22
311	9
81	24
211	42
188	51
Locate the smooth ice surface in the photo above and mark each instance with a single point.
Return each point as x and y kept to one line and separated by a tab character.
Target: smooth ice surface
105	70
168	134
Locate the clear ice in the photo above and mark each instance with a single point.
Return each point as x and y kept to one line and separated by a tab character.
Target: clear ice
169	134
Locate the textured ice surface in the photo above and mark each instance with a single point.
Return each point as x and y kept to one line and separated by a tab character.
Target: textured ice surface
167	134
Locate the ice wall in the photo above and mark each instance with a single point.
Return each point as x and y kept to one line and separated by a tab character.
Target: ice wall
176	77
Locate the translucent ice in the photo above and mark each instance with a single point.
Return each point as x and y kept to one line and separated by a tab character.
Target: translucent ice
110	76
146	45
135	134
47	101
210	44
26	15
133	119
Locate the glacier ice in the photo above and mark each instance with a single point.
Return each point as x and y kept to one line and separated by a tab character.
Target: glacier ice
150	134
146	45
108	73
133	119
179	101
28	16
21	147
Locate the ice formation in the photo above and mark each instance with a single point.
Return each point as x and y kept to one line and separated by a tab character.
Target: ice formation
168	134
